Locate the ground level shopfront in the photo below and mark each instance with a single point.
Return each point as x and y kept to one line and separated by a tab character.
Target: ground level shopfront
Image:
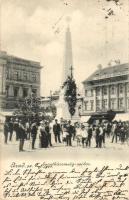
105	116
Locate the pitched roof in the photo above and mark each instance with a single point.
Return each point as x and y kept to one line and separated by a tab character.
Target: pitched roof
15	59
106	72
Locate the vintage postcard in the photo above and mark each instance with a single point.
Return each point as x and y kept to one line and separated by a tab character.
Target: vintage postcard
64	99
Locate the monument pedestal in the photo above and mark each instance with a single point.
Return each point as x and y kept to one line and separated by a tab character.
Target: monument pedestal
62	108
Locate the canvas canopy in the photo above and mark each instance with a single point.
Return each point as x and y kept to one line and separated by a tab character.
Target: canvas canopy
122	117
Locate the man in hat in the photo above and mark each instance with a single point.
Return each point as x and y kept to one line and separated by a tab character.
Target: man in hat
22	135
6	130
89	135
70	132
47	129
115	131
43	136
10	129
57	131
34	129
97	132
100	139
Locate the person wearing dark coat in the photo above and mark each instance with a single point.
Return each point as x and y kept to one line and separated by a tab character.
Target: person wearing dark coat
123	134
6	131
33	134
43	137
22	135
89	136
69	135
47	129
57	131
74	132
108	129
104	134
10	129
97	132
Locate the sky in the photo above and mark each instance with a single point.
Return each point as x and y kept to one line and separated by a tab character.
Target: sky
35	29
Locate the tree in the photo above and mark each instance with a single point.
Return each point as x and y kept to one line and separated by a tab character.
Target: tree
28	107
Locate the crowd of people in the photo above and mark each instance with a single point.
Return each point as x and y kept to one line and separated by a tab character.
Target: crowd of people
66	132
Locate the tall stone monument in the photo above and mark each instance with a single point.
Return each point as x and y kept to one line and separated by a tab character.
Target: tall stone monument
62	107
68	56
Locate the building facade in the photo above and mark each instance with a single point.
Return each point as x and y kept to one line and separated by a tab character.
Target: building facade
50	100
107	89
19	78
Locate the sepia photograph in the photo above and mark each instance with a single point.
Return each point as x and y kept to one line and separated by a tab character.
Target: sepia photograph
64	99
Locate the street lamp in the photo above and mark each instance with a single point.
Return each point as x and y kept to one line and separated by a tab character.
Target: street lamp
50	98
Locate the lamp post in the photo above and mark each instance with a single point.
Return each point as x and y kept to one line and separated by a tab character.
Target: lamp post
50	99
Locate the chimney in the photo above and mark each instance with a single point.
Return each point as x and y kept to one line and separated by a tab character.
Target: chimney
99	67
114	62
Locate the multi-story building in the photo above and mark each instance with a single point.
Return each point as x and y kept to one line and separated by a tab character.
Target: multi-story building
107	89
50	100
19	78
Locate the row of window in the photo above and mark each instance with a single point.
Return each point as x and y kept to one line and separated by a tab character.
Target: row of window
25	76
89	93
113	90
15	93
113	104
89	105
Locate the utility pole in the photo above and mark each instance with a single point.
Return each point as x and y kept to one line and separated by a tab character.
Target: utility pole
71	69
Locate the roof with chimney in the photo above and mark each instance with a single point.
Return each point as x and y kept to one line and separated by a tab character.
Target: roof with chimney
108	72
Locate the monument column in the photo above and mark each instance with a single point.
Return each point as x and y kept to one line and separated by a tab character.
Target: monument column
62	106
68	56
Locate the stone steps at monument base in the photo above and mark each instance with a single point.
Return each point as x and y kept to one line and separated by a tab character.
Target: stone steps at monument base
75	118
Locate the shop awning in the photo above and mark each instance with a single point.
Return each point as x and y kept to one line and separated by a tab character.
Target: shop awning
85	118
6	113
3	116
121	117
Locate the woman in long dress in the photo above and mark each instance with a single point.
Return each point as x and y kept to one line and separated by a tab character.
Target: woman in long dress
43	136
65	133
78	135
